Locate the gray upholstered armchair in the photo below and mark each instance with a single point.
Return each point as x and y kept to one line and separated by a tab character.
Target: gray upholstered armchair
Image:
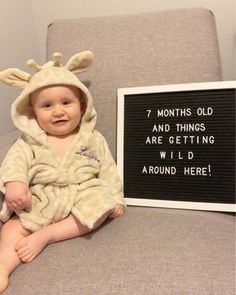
149	250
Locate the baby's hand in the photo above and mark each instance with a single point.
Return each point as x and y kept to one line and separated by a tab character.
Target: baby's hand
17	195
118	212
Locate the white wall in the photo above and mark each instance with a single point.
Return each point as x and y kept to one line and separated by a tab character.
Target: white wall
18	43
24	24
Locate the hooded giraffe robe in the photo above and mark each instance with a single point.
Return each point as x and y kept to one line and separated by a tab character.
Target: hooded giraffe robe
85	181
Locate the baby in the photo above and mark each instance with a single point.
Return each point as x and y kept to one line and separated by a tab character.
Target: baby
59	179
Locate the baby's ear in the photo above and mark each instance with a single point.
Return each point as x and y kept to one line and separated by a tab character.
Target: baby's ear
80	62
15	77
83	106
31	111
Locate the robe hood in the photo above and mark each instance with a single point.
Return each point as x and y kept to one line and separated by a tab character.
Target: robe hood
51	73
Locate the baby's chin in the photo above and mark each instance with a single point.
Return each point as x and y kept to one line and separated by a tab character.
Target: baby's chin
61	133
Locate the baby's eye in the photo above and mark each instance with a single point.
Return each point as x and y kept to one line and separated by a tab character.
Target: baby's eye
66	102
46	105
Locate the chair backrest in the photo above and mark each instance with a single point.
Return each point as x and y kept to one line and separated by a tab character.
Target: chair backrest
169	47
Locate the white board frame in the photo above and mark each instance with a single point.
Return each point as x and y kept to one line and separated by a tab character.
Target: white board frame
120	143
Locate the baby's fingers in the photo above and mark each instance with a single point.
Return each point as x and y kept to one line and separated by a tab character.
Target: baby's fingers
120	211
15	205
28	200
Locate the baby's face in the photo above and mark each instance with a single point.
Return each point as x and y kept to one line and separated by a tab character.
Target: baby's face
57	109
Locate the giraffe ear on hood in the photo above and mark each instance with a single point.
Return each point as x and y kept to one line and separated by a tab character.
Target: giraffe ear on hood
79	62
15	77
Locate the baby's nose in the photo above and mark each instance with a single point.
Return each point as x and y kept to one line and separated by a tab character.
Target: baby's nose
58	111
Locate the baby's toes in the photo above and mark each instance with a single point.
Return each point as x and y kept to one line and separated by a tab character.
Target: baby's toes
26	256
20	245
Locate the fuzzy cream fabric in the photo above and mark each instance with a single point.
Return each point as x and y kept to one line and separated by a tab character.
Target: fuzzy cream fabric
85	182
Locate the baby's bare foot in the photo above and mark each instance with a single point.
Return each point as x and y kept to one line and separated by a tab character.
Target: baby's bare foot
4	278
30	247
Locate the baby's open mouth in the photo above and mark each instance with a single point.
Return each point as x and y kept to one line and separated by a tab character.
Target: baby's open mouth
60	122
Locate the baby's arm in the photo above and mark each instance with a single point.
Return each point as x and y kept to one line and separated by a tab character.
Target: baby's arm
17	195
109	173
14	175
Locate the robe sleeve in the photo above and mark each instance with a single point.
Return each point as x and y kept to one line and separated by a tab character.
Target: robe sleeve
16	164
108	172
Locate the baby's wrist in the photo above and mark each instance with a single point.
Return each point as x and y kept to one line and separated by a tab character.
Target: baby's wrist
15	184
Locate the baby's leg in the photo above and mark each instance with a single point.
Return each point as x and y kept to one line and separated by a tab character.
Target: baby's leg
29	247
11	232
